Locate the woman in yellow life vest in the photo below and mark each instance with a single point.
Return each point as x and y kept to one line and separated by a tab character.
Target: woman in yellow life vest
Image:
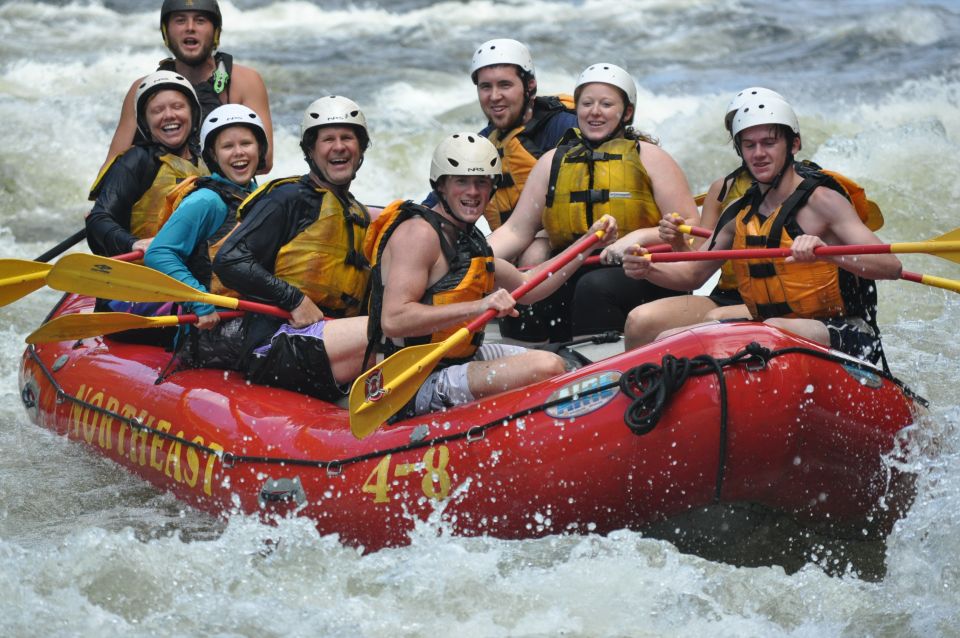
604	167
299	246
131	190
830	300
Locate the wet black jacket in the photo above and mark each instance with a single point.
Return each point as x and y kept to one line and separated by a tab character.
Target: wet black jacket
125	182
246	261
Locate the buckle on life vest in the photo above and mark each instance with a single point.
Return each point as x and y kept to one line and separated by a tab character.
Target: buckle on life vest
592	196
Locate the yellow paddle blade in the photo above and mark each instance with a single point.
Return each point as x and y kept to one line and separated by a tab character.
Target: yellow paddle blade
384	389
946	246
82	326
940	282
20	277
111	279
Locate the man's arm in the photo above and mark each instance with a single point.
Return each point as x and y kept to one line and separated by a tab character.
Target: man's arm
126	127
240	263
829	219
509	277
518	232
247	88
688	275
407	277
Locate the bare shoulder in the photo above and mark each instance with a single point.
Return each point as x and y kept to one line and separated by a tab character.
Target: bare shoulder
248	83
654	157
415	239
245	73
830	203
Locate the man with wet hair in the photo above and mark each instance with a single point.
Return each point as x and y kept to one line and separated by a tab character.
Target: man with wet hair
191	30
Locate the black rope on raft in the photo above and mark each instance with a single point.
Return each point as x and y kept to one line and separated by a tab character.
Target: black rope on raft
650	388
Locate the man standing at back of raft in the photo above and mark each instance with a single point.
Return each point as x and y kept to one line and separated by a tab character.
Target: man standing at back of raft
830	300
191	30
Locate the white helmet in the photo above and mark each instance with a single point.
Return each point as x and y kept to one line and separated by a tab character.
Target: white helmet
465	154
232	115
501	51
334	110
611	74
160	81
743	97
764	110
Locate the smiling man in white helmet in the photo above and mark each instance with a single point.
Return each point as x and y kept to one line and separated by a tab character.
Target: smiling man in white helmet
521	125
191	30
425	295
299	246
830	300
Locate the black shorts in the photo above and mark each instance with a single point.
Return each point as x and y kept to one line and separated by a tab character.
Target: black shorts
853	336
724	297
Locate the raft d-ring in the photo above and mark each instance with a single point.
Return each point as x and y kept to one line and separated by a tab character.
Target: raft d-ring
476	433
334	470
61	396
227	460
756	364
28	396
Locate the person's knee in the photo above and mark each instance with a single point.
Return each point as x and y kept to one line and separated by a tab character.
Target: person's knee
543	365
641	326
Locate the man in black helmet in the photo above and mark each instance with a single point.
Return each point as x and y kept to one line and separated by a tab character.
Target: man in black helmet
191	30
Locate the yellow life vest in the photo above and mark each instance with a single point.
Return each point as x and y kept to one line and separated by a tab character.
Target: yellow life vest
147	214
867	209
325	261
586	184
519	152
471	277
733	190
775	288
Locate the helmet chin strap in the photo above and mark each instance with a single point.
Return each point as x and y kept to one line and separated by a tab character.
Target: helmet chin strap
446	207
772	184
527	103
321	176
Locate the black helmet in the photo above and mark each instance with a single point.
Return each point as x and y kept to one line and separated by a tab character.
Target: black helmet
207	6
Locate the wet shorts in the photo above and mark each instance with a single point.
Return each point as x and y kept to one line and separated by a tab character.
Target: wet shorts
724	297
448	387
853	336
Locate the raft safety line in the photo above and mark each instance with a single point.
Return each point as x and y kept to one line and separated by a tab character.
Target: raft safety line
475	433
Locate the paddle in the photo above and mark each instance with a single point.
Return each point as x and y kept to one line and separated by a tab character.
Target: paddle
94	324
929	280
946	246
109	279
69	242
20	277
381	391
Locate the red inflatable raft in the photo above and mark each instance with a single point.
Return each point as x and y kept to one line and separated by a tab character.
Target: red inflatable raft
726	413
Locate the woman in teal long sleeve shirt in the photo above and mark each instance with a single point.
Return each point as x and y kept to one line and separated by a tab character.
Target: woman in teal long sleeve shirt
234	144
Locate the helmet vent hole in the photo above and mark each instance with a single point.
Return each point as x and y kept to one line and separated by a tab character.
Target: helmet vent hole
454	163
